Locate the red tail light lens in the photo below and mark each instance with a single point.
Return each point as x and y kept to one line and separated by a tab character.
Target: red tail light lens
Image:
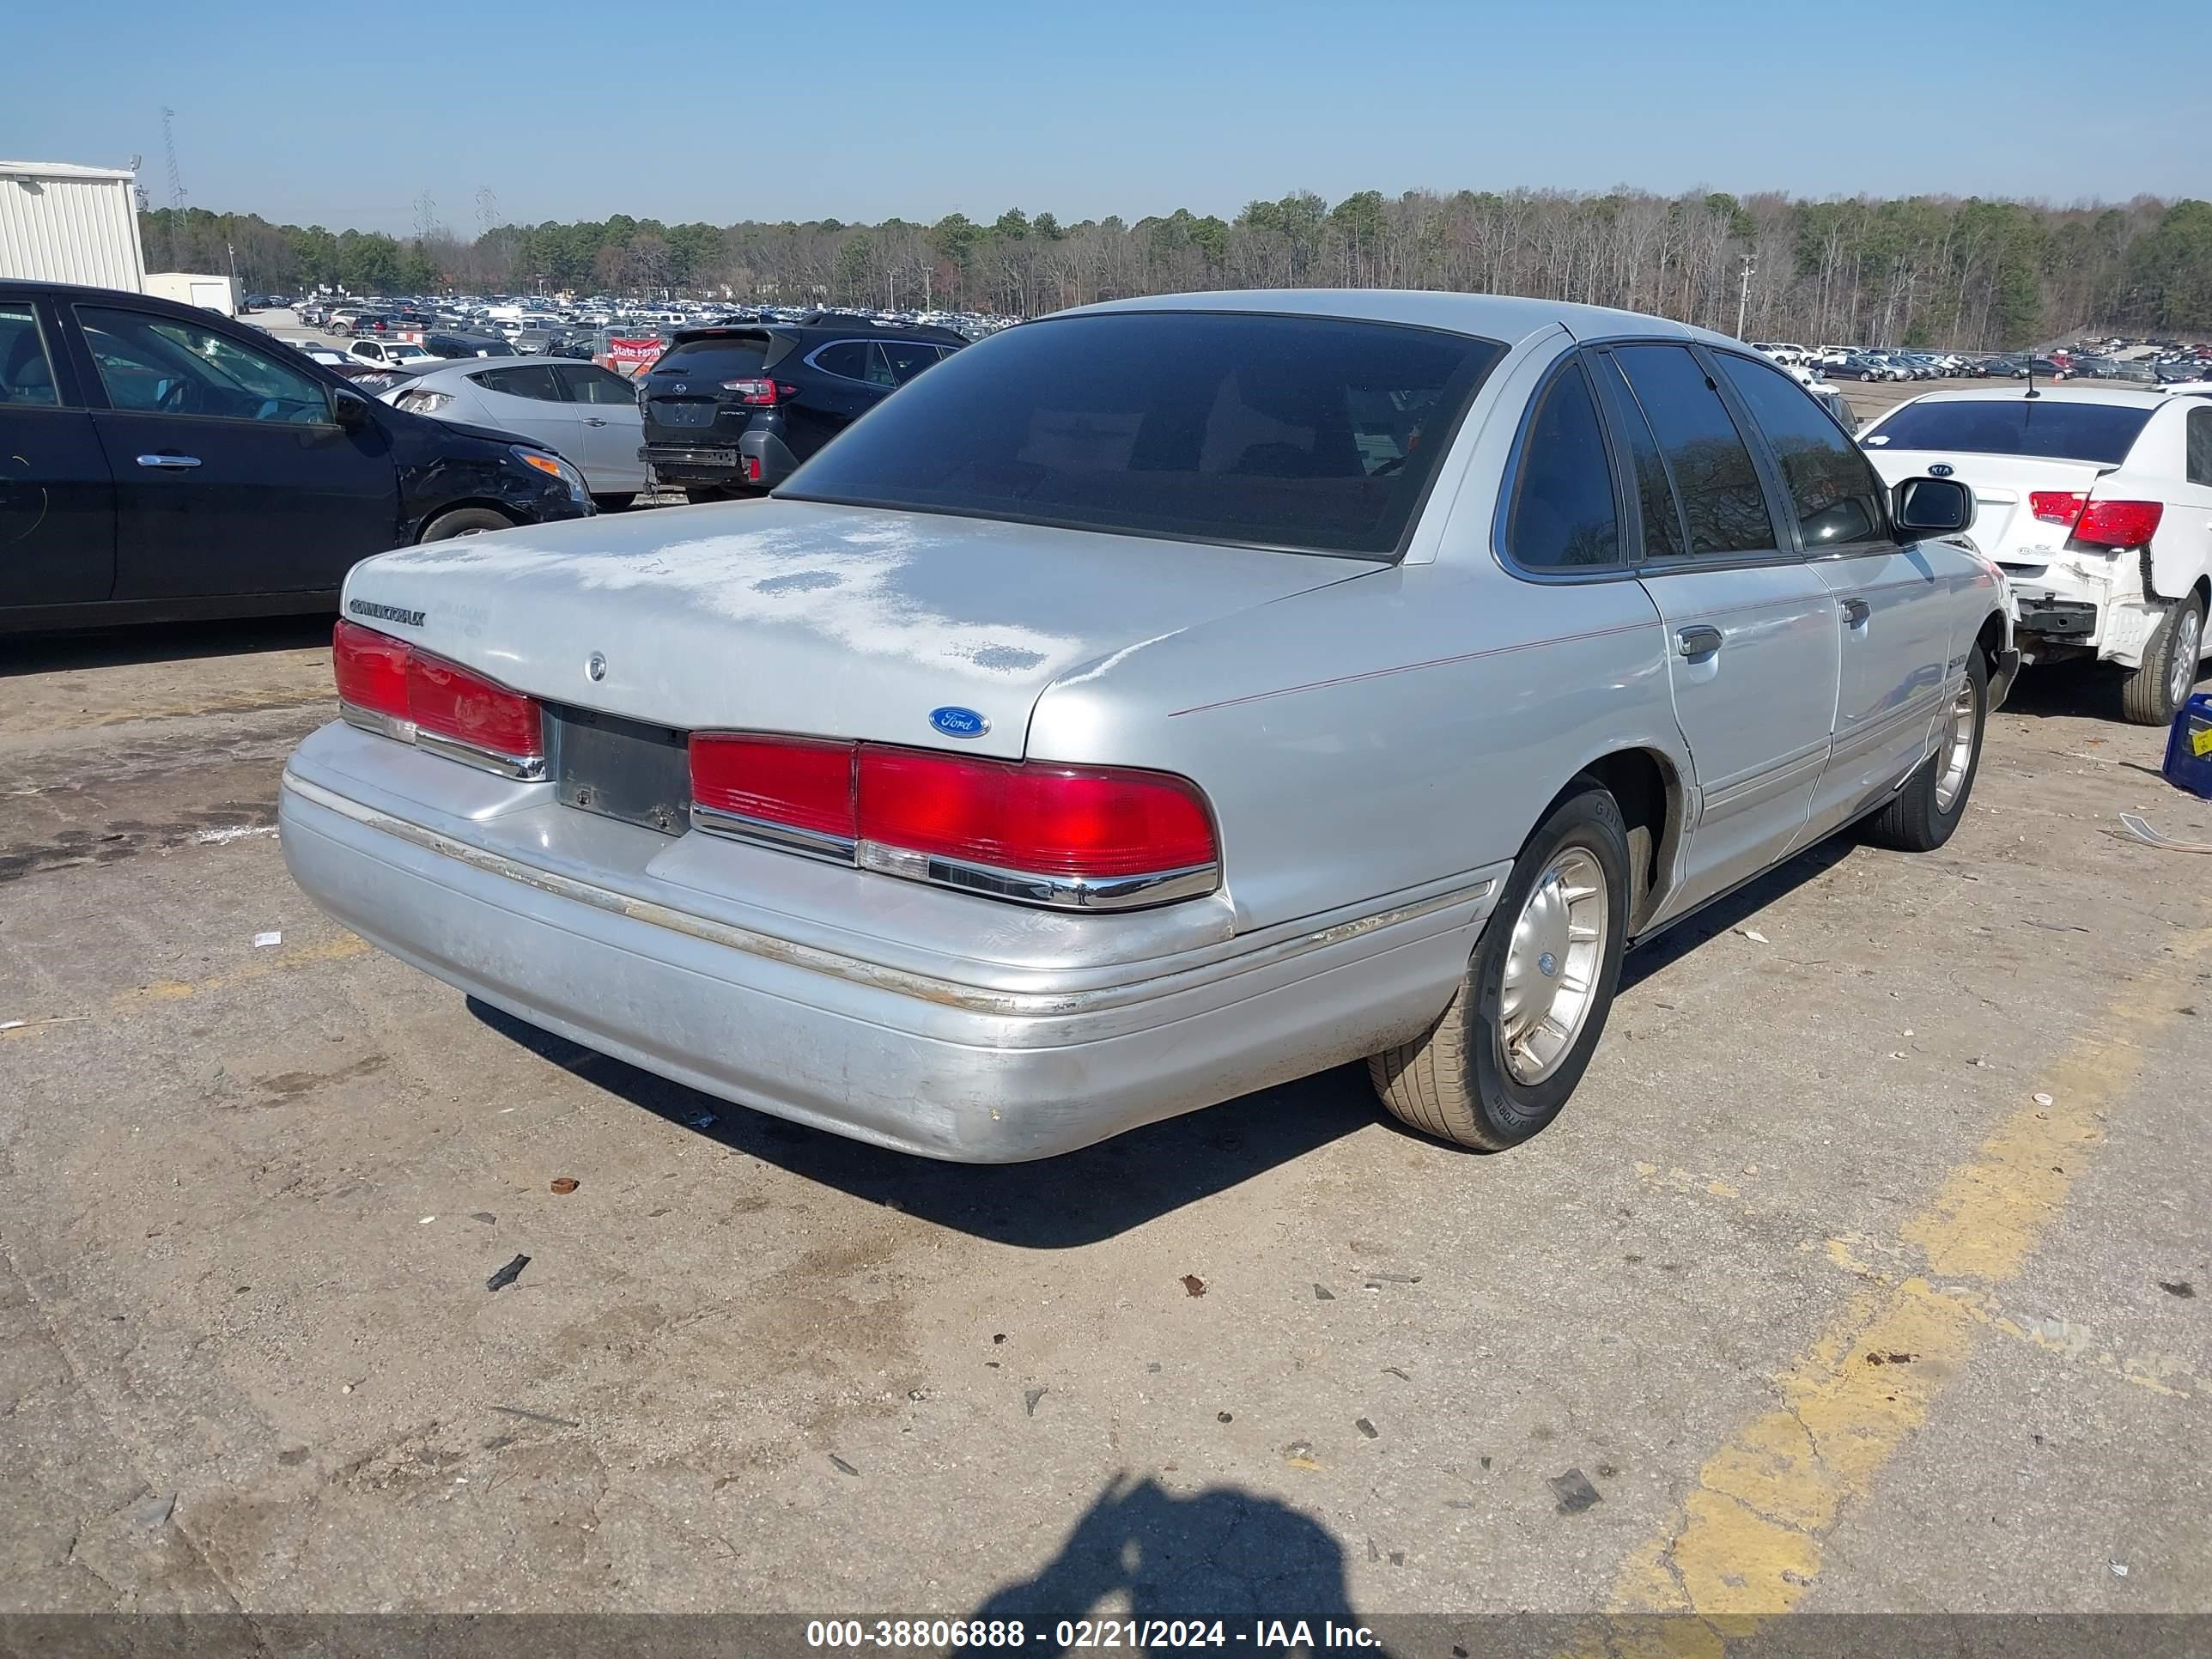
1086	823
2057	506
2119	524
382	680
447	700
796	782
761	392
371	669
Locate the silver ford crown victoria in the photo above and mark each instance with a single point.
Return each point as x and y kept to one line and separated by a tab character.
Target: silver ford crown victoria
1156	703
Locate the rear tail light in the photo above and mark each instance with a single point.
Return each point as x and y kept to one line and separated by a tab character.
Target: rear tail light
2057	506
2103	524
752	469
2119	524
761	392
386	685
1072	837
794	790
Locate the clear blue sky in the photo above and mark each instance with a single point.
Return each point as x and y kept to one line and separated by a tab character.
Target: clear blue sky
858	110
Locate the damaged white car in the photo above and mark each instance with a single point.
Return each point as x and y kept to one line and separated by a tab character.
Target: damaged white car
2097	503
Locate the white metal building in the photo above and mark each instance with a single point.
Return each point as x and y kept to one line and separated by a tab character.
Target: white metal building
61	223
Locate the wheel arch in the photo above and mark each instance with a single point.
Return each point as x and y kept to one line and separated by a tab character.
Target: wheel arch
487	503
1649	785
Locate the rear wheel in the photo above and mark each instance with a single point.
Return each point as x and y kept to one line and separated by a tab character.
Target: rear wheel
2152	693
465	521
1502	1058
1920	816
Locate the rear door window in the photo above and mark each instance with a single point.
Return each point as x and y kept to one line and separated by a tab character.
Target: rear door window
1834	494
1563	515
907	358
532	381
2200	445
588	382
26	377
1723	504
848	360
1308	434
2046	425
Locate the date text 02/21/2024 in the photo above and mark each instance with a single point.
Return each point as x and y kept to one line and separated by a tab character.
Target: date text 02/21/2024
1140	1635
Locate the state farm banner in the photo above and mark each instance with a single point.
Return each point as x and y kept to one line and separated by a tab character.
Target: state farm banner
632	356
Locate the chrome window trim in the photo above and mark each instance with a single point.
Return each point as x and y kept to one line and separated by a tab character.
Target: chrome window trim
850	379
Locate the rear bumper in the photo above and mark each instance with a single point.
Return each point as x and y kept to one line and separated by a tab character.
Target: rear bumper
2071	604
996	1063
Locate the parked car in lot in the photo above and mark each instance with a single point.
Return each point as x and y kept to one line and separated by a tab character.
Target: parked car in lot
449	346
391	354
732	409
585	412
2096	501
158	461
1156	703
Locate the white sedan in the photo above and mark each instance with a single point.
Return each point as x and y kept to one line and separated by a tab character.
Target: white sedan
589	415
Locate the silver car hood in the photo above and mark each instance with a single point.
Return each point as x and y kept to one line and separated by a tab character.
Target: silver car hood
796	616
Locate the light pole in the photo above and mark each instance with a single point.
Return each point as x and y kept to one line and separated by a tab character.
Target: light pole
1743	298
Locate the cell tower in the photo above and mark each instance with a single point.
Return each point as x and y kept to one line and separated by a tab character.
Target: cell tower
169	143
487	211
426	215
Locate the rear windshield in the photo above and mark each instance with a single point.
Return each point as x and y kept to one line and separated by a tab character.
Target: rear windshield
1315	434
2014	426
714	360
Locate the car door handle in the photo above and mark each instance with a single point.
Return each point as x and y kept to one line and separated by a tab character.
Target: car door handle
1856	611
173	463
1698	642
593	420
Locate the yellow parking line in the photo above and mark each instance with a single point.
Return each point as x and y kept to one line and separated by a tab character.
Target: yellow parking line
341	948
1748	1540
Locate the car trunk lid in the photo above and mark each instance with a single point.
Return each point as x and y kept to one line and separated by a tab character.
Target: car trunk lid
2005	526
799	617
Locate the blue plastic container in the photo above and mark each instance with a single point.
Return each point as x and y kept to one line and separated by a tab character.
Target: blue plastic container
2189	748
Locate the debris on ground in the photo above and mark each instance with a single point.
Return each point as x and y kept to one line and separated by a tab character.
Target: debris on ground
1029	1398
705	1120
2119	1569
507	1275
484	1216
1366	1427
1753	935
2142	832
263	941
152	1512
538	1416
843	1466
1378	1277
1891	1358
2041	1100
1574	1492
1154	1368
1393	1370
1322	1293
1223	1417
2180	1287
1192	1285
565	1184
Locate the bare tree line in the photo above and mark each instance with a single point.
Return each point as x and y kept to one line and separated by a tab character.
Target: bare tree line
1967	273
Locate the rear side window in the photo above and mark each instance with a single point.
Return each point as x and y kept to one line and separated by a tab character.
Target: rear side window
847	359
533	381
1654	496
2017	425
2200	443
905	359
1309	433
1563	516
26	376
736	358
588	382
1834	493
1724	506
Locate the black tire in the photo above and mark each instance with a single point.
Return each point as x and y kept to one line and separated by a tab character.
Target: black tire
465	521
616	503
1914	820
698	495
2147	693
1453	1081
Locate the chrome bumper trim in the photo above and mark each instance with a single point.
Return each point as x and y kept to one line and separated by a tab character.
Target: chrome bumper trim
951	993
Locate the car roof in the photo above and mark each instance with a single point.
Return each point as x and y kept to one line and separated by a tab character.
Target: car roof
1491	316
2067	392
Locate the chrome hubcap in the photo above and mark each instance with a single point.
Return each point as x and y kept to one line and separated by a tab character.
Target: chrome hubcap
2188	642
1551	965
1958	751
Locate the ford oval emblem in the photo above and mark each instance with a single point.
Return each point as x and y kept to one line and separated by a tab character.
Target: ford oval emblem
595	666
1941	470
958	722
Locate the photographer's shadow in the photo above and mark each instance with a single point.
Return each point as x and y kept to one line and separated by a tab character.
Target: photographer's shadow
1142	1553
